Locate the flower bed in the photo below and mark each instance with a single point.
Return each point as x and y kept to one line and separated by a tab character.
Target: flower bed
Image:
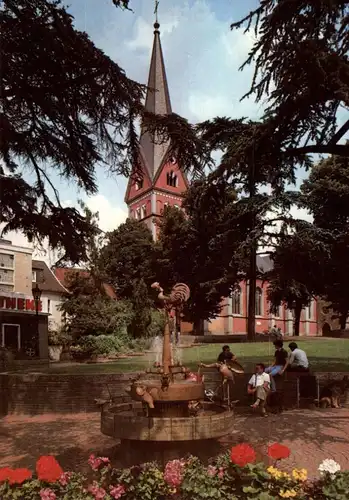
232	476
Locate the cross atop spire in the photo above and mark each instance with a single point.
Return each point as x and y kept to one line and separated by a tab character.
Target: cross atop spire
156	11
157	101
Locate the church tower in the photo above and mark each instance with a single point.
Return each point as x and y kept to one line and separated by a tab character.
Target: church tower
161	181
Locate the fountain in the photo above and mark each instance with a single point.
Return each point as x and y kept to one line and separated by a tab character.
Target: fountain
167	416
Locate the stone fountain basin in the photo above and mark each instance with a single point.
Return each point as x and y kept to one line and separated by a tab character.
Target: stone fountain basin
177	391
126	421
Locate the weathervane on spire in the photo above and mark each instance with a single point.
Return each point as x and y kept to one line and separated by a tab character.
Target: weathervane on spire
156	10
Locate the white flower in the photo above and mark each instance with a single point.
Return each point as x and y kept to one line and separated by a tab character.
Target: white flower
329	466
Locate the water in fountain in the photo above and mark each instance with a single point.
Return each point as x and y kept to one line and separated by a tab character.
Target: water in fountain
156	348
177	354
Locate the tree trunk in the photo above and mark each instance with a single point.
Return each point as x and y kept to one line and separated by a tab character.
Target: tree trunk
297	319
198	327
251	313
343	319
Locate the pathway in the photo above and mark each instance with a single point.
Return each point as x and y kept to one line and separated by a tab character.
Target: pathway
311	435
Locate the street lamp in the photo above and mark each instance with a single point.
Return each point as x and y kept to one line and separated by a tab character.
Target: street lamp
37	296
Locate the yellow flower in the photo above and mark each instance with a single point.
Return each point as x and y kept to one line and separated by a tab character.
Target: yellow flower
288	493
300	475
277	474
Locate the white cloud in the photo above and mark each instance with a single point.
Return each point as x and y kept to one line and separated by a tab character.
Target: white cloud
110	216
301	213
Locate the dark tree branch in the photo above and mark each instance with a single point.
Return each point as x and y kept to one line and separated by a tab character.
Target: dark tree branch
331	149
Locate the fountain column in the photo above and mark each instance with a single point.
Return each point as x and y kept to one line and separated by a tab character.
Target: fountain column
166	349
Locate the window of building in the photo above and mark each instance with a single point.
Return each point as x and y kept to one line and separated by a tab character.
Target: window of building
172	179
259	298
139	184
144	211
236	301
48	306
137	213
6	276
7	260
309	311
277	312
6	288
34	276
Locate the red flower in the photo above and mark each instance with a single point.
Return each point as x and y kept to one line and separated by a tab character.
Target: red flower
278	451
5	474
242	454
18	476
48	469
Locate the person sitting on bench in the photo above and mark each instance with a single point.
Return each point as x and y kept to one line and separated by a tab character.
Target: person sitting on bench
279	362
226	355
297	361
259	385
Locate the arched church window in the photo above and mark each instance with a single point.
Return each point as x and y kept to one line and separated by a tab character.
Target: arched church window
137	213
259	299
171	179
236	301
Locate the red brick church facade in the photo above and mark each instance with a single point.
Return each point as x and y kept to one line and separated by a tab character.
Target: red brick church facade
161	182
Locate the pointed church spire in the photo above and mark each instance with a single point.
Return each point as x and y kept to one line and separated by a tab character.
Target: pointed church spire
157	101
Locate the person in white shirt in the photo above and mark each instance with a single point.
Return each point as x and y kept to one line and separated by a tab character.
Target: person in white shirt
297	361
259	385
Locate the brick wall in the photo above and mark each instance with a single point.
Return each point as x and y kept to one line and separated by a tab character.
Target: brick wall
35	394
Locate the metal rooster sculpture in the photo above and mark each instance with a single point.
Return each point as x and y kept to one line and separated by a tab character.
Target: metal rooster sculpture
180	293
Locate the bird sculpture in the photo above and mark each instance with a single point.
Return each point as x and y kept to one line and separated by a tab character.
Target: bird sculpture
180	293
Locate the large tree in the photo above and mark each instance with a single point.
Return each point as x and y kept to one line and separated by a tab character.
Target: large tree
299	270
66	107
250	163
89	310
197	247
127	257
302	71
326	196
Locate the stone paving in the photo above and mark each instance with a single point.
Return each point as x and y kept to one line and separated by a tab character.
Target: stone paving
312	435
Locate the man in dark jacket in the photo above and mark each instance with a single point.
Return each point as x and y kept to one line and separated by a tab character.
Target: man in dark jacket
280	360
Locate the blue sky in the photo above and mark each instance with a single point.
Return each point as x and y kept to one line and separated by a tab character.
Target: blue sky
202	58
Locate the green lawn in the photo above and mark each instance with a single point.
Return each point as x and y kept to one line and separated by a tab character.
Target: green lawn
324	355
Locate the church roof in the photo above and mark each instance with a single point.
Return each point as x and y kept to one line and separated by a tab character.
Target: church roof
157	102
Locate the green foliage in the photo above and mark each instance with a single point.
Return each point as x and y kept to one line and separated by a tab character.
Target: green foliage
90	311
326	196
101	345
157	324
337	489
326	193
251	160
58	336
141	319
206	235
298	268
127	257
